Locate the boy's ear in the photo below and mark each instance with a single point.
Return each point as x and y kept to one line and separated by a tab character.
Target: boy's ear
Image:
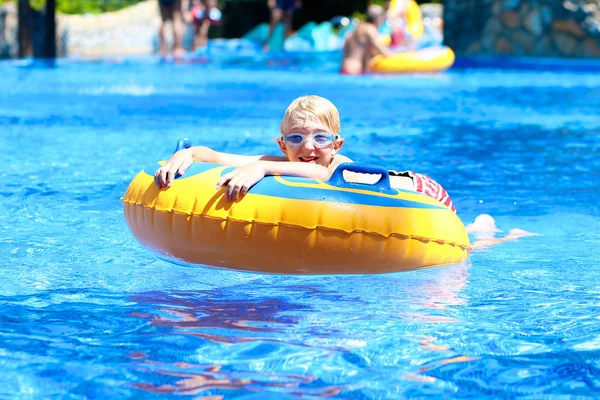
337	145
282	146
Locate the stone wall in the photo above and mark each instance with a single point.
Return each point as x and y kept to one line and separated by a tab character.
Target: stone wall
132	30
544	28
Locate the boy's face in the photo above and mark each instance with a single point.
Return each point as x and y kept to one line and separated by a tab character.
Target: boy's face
308	152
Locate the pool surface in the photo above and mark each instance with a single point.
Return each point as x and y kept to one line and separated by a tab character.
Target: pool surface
86	312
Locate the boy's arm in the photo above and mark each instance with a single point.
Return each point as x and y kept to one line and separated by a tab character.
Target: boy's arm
181	160
205	154
243	178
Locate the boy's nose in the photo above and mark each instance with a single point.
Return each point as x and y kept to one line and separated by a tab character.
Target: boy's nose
309	144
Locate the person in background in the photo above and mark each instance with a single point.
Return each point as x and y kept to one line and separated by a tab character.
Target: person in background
281	10
171	11
364	43
397	20
397	15
202	15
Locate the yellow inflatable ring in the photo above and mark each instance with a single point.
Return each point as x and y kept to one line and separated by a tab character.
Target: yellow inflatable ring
431	59
288	225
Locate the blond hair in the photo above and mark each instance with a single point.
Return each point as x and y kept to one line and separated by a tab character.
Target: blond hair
315	108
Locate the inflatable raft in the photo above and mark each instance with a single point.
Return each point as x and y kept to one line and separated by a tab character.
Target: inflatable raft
289	225
431	59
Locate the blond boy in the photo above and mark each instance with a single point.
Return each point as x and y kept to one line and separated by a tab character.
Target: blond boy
310	143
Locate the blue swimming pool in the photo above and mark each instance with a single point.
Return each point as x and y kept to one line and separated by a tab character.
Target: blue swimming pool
86	312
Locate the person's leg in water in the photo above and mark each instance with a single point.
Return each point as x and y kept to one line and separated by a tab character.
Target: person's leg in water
197	13
201	39
484	227
287	22
276	17
202	42
281	11
202	24
170	12
178	30
166	16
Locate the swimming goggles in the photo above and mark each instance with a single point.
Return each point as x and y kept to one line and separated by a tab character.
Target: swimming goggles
320	139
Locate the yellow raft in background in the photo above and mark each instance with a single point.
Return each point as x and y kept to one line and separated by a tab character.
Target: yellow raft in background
288	225
431	59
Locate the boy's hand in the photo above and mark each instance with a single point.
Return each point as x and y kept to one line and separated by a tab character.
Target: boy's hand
241	180
178	164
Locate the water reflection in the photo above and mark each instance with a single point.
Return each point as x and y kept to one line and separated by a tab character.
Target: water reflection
191	311
211	316
192	379
314	336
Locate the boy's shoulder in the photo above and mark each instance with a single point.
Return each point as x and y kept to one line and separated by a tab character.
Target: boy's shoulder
337	160
340	159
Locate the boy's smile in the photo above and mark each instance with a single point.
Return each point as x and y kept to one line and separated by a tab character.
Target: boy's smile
309	159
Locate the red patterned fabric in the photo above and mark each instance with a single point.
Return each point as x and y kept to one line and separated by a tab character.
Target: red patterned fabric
428	187
431	188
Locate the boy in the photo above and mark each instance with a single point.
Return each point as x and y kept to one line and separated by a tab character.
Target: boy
310	143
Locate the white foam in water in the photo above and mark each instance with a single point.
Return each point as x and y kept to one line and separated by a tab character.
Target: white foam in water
130	90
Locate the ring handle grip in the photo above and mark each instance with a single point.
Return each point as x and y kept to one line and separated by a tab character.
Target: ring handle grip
183	143
382	185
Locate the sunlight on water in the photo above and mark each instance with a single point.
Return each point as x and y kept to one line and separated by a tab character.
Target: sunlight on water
87	312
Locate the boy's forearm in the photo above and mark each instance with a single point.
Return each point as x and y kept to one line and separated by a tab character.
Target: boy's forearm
203	154
303	170
208	155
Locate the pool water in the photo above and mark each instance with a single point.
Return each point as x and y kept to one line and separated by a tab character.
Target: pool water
86	312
